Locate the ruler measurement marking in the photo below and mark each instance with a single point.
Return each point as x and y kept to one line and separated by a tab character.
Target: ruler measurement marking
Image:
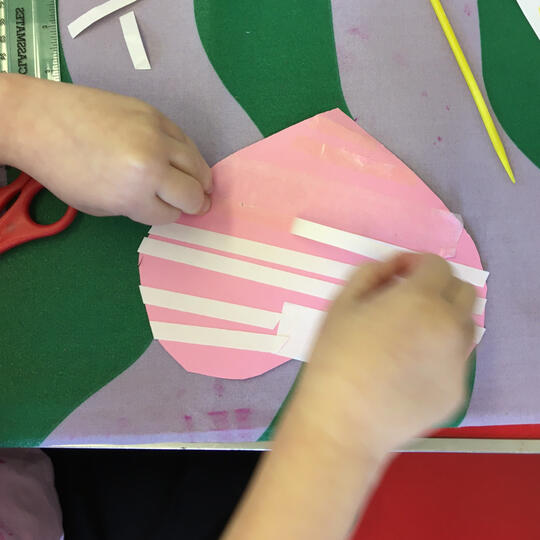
42	57
3	38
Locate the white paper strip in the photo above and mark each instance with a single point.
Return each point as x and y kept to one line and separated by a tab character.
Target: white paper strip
210	308
134	42
95	14
297	331
268	253
241	269
302	324
373	249
478	334
255	250
479	306
217	337
531	10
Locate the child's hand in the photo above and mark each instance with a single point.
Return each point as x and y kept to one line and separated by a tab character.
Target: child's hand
390	361
103	153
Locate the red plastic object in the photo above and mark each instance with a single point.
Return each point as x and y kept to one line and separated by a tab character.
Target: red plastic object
16	225
525	431
455	496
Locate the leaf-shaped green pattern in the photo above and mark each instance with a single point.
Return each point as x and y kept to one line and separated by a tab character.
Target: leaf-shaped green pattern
276	57
511	66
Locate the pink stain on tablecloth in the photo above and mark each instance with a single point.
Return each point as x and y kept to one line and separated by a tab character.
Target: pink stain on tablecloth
220	420
326	169
242	418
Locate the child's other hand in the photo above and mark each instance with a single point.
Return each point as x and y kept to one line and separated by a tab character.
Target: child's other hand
391	359
103	153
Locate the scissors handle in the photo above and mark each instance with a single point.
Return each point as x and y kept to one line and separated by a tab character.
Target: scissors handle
16	225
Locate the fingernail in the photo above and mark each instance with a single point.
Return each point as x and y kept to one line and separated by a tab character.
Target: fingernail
206	206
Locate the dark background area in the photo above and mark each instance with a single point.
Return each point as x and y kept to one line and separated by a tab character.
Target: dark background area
157	495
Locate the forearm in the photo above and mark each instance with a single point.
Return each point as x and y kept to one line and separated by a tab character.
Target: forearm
310	486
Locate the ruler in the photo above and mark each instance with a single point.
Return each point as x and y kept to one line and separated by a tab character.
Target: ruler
29	38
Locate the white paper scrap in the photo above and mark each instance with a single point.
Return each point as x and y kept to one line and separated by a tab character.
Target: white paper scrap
373	249
218	337
210	308
134	42
531	10
95	14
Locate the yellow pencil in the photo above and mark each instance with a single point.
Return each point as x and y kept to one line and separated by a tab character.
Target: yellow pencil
473	87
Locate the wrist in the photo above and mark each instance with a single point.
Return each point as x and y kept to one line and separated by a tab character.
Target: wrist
321	412
11	98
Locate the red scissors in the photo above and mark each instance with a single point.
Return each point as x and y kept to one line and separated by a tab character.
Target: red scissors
16	225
